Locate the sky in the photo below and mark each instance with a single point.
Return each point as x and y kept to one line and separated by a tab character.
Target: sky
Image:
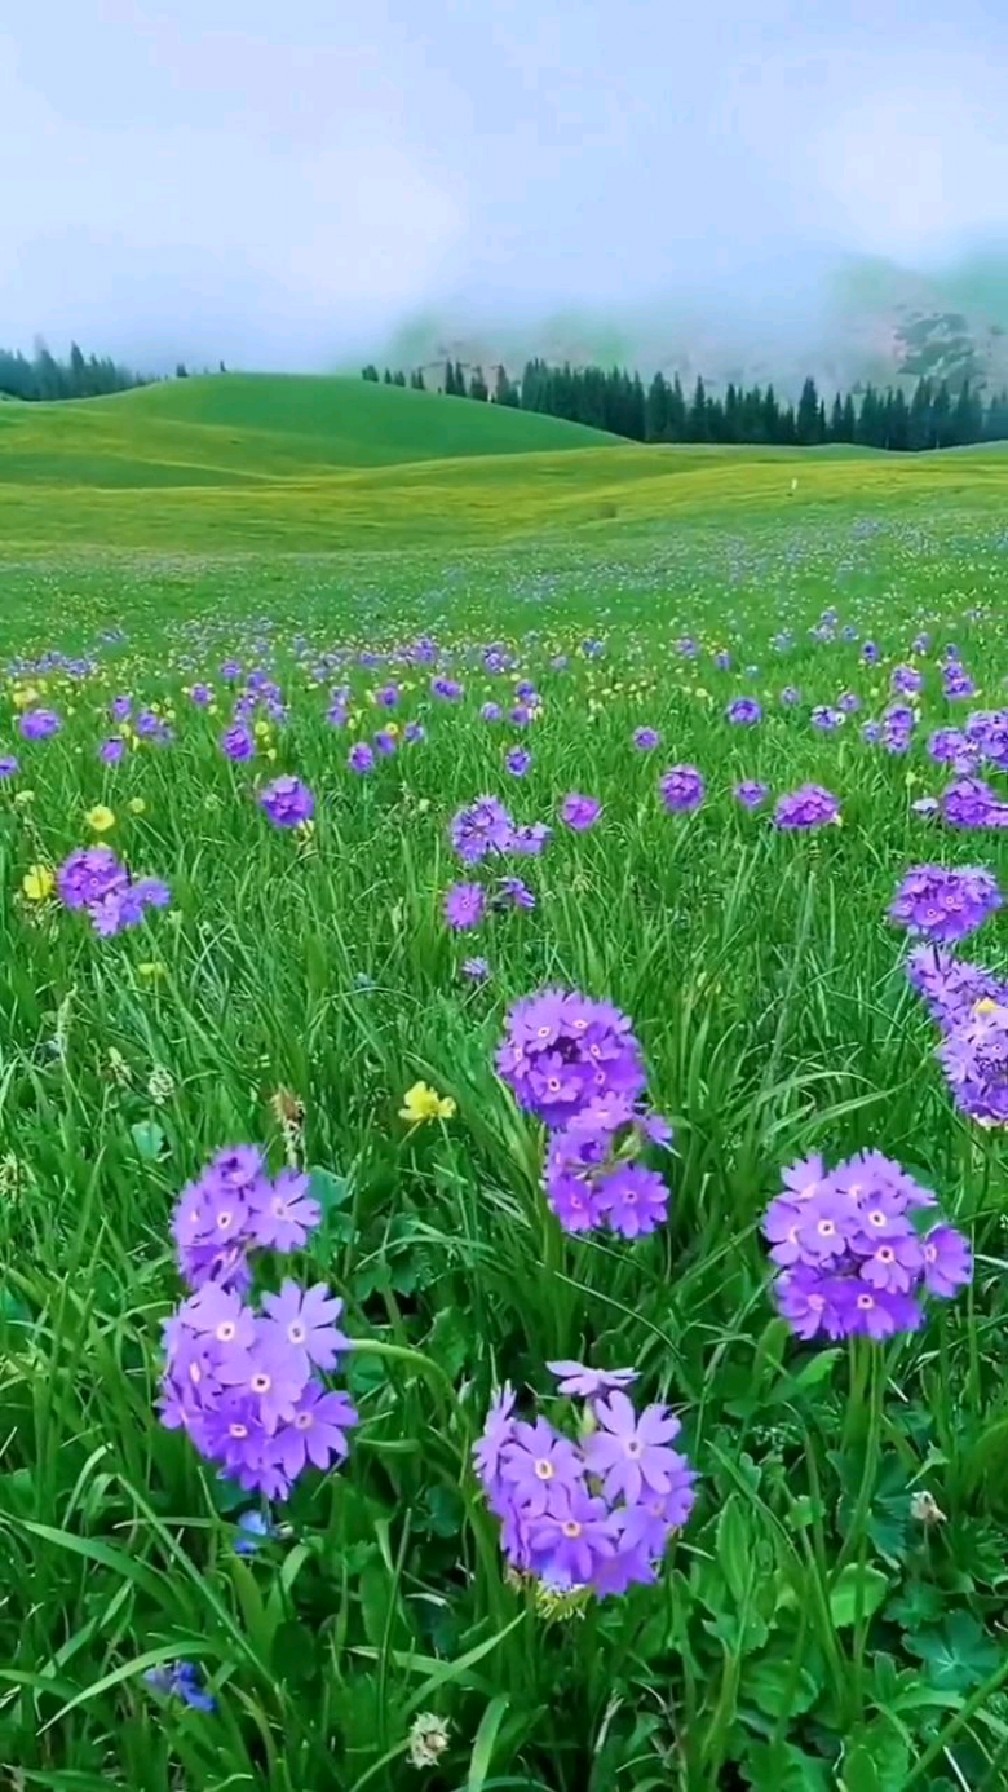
283	183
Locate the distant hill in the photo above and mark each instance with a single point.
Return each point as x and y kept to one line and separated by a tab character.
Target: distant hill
239	428
868	319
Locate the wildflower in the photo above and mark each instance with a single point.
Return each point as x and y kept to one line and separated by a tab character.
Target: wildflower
518	760
237	743
9	767
38	883
361	757
136	805
562	1049
944	904
181	1680
511	892
751	794
100	819
974	1057
682	788
952	987
112	751
465	906
809	807
476	969
39	724
589	1384
287	802
421	1103
630	1451
483	828
646	739
744	712
428	1739
580	812
850	1260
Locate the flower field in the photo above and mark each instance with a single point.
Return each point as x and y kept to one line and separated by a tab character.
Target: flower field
503	1068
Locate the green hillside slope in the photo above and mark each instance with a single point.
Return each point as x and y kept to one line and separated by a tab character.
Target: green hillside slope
239	428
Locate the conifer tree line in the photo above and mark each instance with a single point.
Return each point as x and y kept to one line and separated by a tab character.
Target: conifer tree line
934	416
43	377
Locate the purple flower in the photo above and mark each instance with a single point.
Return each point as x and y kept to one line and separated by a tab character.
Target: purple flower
465	906
476	969
315	1431
361	757
580	812
447	689
385	742
238	743
88	875
809	807
906	681
826	718
485	827
39	724
562	1049
948	1262
511	892
744	712
413	732
751	794
121	708
287	802
630	1451
971	803
951	987
387	697
182	1680
535	1462
573	1539
682	789
944	904
518	760
974	1057
491	712
306	1318
112	752
283	1215
589	1384
9	767
646	739
790	696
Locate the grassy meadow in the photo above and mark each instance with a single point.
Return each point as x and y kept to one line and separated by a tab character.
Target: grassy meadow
834	1612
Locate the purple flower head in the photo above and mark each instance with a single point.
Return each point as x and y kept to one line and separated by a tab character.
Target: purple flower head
790	696
589	1384
744	712
957	684
809	807
592	1178
121	708
630	1451
113	751
287	802
849	1259
283	1214
580	812
413	732
238	743
385	742
974	1057
906	681
682	789
518	760
9	767
88	876
491	712
870	653
948	1262
972	803
39	724
950	986
465	906
387	697
646	739
447	689
561	1050
305	1319
511	892
750	794
182	1680
361	757
485	827
476	969
944	904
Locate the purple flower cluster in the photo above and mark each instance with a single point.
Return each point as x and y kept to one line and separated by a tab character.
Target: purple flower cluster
807	808
576	1064
851	1258
240	1381
95	880
974	1056
182	1680
287	802
950	986
39	724
682	789
593	1516
744	712
944	903
487	828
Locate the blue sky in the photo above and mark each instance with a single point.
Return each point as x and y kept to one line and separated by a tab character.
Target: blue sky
283	181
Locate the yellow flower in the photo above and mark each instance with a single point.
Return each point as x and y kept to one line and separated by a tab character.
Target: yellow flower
421	1104
100	819
38	883
151	969
136	805
25	696
262	731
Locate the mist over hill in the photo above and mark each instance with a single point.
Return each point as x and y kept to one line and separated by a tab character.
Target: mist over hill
846	323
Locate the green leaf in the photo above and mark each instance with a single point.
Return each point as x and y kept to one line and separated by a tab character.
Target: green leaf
483	1743
734	1548
876	1759
778	1686
779	1767
329	1190
857	1593
958	1656
148	1139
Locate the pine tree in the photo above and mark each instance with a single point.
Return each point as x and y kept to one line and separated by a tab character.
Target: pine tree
478	386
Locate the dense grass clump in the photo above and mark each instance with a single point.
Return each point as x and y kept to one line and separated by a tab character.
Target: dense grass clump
283	877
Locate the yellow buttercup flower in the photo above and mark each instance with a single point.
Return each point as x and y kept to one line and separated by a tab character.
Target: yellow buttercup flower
422	1103
38	883
100	819
136	805
25	697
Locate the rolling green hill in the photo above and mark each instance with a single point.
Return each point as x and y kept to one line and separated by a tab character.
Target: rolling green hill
236	429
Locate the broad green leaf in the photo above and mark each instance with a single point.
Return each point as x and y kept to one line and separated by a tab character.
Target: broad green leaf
149	1140
857	1593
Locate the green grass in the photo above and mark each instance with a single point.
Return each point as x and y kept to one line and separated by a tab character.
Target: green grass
241	429
805	1624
